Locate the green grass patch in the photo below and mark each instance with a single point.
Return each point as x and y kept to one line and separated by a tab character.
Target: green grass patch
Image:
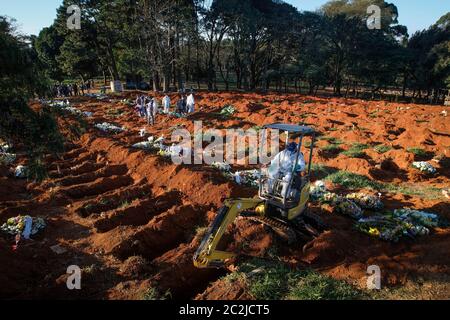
273	280
427	287
354	181
153	294
234	276
332	148
316	286
356	150
354	153
417	152
430	193
322	170
382	148
332	140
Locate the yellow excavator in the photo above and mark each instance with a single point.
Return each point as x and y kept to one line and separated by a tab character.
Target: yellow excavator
281	205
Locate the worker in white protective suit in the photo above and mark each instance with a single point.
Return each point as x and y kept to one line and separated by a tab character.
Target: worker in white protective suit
190	102
155	107
166	104
282	167
150	108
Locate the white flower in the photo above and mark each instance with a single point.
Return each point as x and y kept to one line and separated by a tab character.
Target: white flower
107	127
424	167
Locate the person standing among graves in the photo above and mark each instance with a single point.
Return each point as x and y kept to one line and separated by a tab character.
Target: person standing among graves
155	107
150	109
181	105
190	103
166	104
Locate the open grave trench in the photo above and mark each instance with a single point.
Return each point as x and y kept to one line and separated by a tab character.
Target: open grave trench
136	206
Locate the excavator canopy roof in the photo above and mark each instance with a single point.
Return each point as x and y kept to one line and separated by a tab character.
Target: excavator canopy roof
303	130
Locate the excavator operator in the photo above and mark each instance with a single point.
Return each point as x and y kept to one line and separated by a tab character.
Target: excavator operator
282	165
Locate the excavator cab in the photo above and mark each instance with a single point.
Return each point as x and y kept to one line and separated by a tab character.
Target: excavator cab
281	202
289	192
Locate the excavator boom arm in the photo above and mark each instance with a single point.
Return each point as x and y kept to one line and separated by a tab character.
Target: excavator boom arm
207	256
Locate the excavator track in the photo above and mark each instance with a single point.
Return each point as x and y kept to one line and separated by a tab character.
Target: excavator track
283	230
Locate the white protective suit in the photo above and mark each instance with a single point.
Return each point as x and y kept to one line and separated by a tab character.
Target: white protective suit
190	102
151	113
166	104
155	107
281	168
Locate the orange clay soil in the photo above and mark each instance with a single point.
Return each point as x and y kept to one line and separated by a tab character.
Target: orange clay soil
129	218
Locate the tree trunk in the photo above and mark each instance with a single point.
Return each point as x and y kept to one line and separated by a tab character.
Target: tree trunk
156	84
114	72
405	78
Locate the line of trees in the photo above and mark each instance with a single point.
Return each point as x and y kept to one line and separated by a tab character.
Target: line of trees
249	45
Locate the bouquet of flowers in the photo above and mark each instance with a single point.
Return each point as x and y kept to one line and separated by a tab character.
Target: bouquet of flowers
151	143
383	227
416	217
317	190
16	225
366	201
59	104
424	167
227	111
249	177
401	223
348	208
107	127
